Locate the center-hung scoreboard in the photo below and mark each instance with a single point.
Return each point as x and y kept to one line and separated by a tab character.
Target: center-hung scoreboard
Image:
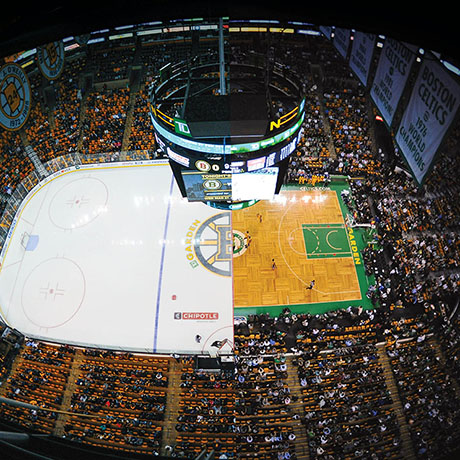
233	146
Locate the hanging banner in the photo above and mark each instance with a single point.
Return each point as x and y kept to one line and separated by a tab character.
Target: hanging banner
393	68
50	59
361	54
82	39
327	31
14	97
432	107
341	41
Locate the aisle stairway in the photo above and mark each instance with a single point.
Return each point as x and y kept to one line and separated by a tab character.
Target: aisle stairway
326	125
129	118
172	405
442	358
39	167
16	363
67	397
30	152
407	448
301	443
81	121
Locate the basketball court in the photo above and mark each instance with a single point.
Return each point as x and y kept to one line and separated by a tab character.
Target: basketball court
304	231
112	256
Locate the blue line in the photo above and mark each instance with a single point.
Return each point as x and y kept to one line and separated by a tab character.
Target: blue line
160	277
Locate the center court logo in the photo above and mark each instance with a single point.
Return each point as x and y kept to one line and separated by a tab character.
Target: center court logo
212	244
239	243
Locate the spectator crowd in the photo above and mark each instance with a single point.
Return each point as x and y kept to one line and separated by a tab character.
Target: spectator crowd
299	379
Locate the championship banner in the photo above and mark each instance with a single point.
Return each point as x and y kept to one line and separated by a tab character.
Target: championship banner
391	75
50	59
341	41
14	97
327	31
432	107
82	39
361	55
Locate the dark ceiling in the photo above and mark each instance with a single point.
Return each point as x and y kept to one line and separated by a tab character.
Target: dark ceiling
431	25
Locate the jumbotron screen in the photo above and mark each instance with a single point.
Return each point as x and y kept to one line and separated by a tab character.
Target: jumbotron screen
258	185
202	186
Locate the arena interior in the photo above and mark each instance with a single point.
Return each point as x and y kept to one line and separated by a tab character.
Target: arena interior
331	329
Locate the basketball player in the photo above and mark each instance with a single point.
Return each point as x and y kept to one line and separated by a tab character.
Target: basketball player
312	283
248	239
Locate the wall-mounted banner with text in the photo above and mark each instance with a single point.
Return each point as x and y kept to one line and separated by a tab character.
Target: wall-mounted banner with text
432	107
361	54
327	31
393	68
341	41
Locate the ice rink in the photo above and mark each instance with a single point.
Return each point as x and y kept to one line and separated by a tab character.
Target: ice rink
112	256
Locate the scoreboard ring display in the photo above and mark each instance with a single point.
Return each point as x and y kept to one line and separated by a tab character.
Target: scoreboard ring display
227	147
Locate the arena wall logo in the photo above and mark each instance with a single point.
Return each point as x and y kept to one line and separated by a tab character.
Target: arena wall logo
14	97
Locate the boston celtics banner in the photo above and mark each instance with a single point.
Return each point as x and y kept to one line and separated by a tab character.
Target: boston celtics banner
341	41
390	78
431	109
361	55
326	30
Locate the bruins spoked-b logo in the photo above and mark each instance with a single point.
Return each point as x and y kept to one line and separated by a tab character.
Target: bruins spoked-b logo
14	97
50	59
212	244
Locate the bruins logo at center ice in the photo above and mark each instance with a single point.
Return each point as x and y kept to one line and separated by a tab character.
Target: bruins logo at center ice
213	244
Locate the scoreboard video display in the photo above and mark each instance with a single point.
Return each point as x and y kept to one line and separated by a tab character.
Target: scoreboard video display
225	178
226	148
257	185
201	186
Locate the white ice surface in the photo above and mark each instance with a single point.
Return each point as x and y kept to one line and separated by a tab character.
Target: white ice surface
111	268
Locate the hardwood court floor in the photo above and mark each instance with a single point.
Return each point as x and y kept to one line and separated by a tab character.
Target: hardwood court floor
280	236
